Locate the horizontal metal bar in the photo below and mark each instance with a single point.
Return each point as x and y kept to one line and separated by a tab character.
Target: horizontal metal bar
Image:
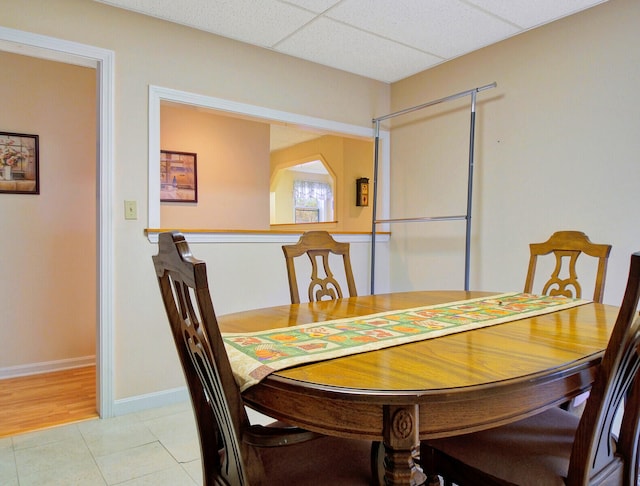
435	102
425	219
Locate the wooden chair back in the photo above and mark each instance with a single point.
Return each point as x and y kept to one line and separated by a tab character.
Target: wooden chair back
235	452
216	399
319	245
596	454
568	244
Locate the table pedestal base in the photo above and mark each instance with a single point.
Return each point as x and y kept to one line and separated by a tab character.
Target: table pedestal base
402	444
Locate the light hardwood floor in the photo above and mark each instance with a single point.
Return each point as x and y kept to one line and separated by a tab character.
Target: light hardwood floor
41	401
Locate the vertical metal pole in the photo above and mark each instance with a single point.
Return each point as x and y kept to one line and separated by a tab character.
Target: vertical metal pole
473	93
375	206
467	255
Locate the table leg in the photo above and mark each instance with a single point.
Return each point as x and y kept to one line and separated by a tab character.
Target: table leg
402	443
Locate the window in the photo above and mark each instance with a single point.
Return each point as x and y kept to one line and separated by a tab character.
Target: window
303	192
312	201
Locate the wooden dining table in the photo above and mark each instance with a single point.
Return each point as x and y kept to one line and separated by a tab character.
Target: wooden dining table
439	387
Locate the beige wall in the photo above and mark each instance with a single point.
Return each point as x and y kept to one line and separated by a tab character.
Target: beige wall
556	148
48	258
232	168
358	157
150	51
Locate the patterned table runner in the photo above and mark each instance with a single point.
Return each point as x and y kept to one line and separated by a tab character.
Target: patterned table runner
255	355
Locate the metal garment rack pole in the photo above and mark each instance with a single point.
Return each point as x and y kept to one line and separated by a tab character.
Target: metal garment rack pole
467	217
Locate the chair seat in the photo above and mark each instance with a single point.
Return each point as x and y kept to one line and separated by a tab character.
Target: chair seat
532	452
321	461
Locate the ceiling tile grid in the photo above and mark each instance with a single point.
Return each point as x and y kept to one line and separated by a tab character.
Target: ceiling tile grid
385	40
335	44
446	28
531	13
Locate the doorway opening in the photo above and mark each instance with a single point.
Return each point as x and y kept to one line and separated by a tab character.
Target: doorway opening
102	60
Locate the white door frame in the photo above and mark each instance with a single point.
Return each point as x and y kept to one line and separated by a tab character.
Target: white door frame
102	60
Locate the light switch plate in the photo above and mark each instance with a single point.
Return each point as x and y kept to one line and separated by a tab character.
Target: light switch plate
130	210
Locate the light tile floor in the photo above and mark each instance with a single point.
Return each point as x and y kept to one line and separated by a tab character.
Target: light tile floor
155	447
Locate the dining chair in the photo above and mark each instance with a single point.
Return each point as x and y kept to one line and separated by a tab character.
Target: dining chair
568	244
319	245
556	447
233	451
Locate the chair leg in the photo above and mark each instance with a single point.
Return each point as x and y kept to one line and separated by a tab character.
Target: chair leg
433	480
377	463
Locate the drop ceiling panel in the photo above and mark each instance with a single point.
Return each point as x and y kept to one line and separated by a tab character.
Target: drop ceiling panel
262	23
317	6
334	44
449	29
386	40
527	13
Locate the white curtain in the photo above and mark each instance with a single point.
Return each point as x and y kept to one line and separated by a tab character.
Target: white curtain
311	190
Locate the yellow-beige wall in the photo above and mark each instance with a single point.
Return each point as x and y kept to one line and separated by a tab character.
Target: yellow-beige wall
48	241
282	204
348	159
556	148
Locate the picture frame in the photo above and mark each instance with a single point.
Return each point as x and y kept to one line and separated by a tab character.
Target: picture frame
178	177
19	163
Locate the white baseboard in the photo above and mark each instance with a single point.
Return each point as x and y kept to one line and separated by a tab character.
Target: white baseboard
140	403
258	418
46	367
150	400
